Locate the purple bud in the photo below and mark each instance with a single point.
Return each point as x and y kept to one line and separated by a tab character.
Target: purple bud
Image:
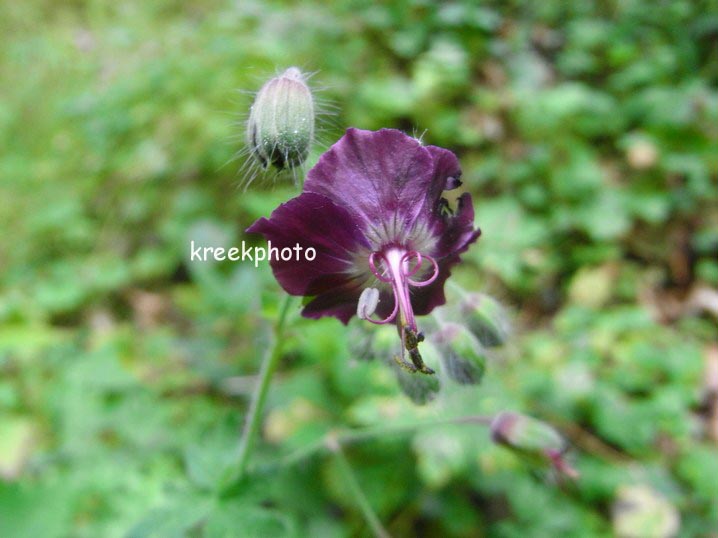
280	129
532	437
525	433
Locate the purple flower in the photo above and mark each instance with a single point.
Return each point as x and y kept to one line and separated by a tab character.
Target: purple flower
372	208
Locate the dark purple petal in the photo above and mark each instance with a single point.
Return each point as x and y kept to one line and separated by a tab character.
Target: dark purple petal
312	220
386	302
447	171
382	177
455	237
424	300
340	303
457	232
371	192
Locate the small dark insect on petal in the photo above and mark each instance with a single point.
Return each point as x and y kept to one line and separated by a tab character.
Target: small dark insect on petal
444	208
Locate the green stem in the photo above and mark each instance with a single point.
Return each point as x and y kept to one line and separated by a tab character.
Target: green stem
347	437
256	407
355	489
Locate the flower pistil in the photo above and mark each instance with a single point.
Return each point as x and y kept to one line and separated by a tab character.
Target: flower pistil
396	266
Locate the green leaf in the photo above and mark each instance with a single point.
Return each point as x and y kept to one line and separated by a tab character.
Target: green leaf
173	520
17	440
229	520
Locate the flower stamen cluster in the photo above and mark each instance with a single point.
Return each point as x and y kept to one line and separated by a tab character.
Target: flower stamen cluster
396	269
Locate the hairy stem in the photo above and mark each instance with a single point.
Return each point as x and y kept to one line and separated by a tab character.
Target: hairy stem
256	407
348	437
356	492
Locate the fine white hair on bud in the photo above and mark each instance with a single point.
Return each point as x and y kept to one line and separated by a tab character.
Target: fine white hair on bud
280	129
533	438
463	357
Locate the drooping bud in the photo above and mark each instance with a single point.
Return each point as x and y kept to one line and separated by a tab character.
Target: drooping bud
385	343
280	129
462	355
525	433
533	438
485	318
421	389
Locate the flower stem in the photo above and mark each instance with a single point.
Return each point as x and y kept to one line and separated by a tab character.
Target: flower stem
355	489
348	437
256	407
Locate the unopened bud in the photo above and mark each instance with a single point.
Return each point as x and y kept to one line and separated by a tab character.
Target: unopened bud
385	342
533	438
525	433
421	389
360	341
462	355
280	130
485	318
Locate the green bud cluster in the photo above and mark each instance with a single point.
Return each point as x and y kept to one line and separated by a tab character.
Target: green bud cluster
458	342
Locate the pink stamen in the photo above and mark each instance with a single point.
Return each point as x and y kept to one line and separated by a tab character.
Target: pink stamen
422	283
374	270
396	268
407	257
390	318
394	261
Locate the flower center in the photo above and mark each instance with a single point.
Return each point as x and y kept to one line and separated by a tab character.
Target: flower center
396	266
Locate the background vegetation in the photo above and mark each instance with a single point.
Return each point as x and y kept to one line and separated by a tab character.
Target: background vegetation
588	135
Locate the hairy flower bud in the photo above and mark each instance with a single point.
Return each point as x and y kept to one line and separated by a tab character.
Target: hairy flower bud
462	355
421	389
533	438
525	433
360	342
280	129
485	318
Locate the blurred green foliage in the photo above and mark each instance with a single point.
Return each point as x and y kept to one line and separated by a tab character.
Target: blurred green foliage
587	132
